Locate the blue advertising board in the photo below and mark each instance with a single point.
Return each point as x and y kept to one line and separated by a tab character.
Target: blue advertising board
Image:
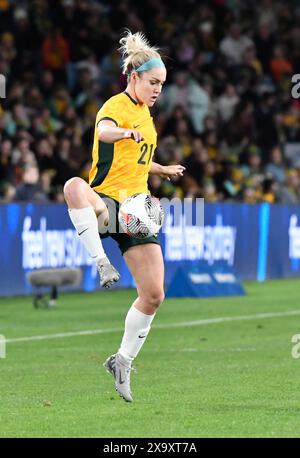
201	280
255	241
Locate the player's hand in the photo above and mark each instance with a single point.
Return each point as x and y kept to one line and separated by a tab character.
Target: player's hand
170	171
134	135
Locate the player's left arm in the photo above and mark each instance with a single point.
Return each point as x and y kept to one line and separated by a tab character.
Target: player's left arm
167	171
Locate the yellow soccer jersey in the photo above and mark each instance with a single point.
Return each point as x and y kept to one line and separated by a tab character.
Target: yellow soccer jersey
121	169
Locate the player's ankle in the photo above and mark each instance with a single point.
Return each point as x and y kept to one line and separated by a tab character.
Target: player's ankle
125	359
102	260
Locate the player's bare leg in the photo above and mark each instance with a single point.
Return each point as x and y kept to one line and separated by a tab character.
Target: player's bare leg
146	265
87	211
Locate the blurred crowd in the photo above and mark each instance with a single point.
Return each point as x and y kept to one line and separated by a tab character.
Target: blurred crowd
226	111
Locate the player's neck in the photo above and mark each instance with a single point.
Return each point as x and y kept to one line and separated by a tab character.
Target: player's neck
130	91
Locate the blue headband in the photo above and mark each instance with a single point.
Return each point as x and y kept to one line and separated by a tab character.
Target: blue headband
152	63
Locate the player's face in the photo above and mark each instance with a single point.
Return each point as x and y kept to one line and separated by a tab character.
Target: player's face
149	84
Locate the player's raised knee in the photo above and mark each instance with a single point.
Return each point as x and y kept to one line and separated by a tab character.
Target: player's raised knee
73	187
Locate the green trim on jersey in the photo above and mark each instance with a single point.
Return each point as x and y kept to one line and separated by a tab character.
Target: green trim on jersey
133	101
105	160
107	118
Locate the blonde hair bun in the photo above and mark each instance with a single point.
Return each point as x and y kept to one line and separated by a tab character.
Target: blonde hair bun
135	50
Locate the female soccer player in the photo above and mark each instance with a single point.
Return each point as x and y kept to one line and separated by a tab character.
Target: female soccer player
124	144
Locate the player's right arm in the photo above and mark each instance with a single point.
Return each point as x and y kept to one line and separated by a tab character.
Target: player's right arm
108	132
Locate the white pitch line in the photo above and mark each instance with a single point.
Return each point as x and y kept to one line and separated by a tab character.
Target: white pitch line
63	334
182	324
229	318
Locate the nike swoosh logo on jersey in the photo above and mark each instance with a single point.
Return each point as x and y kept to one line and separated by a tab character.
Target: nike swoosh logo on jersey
135	126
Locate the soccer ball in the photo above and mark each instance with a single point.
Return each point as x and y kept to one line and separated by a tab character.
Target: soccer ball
141	216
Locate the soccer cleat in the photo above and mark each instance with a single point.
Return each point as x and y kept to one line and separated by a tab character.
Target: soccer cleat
119	368
108	274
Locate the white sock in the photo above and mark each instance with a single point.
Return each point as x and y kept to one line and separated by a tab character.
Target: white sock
137	327
86	223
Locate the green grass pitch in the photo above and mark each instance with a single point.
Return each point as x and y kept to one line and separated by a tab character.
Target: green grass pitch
224	378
